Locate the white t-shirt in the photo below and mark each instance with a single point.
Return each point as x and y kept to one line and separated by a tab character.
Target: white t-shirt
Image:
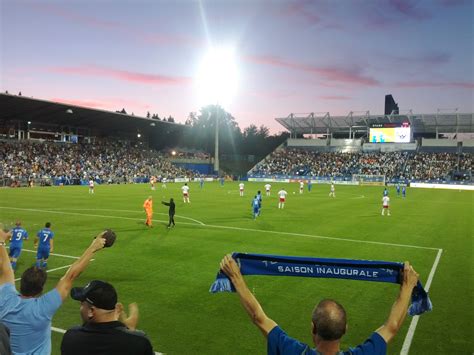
301	184
282	193
91	183
185	189
268	187
385	200
241	186
332	187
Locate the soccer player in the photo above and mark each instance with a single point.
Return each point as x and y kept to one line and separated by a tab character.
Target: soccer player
222	180
398	189
16	243
282	195
44	243
185	190
201	182
241	189
310	185
255	207
404	191
385	205
385	192
267	189
163	183
153	182
148	207
301	186
91	186
332	193
259	198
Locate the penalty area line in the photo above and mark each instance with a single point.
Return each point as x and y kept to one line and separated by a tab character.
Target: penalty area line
55	269
414	321
232	228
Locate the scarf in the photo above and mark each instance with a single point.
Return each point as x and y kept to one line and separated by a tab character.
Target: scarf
363	270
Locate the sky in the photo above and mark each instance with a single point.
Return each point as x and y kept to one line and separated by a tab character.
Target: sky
302	56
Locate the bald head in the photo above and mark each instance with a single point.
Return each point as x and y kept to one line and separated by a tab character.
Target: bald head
329	320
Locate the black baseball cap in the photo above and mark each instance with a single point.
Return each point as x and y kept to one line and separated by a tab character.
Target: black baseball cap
99	294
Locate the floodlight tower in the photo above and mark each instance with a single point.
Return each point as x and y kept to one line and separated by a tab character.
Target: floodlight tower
217	82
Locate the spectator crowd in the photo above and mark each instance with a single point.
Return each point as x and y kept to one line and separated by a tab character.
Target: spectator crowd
393	165
108	161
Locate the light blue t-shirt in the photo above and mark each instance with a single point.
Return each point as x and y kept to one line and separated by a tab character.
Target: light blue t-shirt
29	319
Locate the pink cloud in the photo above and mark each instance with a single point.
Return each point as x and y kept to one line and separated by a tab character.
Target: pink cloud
123	75
345	75
335	97
424	84
408	8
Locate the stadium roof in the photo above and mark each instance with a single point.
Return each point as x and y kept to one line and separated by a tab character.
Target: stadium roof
21	108
322	123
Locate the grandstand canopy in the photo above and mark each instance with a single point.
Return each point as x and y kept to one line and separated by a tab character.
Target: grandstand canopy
16	110
324	123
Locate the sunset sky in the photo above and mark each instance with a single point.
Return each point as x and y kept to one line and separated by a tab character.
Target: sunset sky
293	56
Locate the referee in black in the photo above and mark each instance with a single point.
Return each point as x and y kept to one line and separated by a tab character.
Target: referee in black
171	211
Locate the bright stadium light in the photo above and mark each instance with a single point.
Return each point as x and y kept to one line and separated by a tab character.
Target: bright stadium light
216	79
216	83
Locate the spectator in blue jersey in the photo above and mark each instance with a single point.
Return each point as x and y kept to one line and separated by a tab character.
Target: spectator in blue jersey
45	244
329	321
28	313
259	198
16	243
404	191
398	189
255	207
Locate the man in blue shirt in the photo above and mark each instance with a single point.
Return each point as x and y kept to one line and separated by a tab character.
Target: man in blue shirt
398	189
255	207
385	192
28	314
404	191
45	245
328	319
16	243
259	198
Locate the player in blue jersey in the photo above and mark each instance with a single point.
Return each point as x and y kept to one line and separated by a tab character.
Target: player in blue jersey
385	192
255	207
16	243
404	191
44	242
201	182
259	198
398	189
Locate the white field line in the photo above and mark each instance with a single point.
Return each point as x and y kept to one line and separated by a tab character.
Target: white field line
132	211
62	331
232	228
58	268
61	255
414	320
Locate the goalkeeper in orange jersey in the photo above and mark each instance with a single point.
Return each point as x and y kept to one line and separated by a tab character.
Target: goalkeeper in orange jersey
148	207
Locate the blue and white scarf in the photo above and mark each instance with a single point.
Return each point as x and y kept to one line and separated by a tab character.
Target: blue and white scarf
364	270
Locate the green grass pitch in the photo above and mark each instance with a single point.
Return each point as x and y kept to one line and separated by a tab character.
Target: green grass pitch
168	271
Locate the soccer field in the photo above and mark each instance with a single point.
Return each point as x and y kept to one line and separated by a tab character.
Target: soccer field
168	272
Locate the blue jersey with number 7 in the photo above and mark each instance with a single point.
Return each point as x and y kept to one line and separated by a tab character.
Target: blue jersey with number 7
44	236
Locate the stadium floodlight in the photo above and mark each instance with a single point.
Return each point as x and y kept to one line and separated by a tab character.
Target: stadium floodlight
216	79
138	135
216	83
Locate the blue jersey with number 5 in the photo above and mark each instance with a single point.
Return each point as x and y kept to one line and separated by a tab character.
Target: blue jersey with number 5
18	234
44	236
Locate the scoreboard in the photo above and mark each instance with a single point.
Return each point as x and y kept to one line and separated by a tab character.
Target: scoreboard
390	133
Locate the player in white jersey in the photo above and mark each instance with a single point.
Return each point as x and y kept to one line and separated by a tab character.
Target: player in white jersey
385	205
241	188
332	193
163	183
282	195
267	189
91	186
153	182
301	186
185	190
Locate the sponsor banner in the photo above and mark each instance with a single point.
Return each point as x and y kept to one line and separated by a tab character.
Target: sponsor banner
395	184
442	186
205	179
181	180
